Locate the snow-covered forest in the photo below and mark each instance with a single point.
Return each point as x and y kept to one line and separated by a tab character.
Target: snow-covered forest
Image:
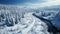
24	20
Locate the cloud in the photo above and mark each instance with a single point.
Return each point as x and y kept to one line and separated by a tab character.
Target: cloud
37	3
47	3
51	3
49	0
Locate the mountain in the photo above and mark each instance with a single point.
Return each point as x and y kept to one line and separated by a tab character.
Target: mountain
21	20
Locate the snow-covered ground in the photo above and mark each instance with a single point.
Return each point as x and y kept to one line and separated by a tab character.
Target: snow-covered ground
20	20
28	23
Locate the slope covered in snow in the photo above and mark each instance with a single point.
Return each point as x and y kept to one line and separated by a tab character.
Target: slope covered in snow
28	23
14	20
20	20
